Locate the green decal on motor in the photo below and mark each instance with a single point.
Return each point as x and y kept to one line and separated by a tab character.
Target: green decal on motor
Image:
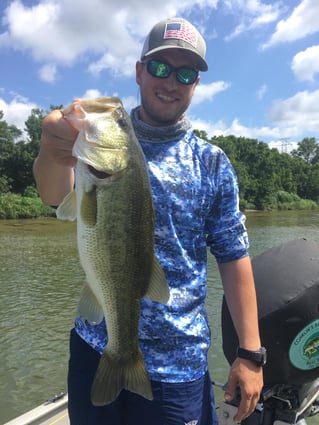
304	349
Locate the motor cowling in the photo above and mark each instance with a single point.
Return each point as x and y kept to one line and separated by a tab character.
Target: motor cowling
287	288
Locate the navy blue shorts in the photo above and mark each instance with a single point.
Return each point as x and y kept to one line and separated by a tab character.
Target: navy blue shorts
190	403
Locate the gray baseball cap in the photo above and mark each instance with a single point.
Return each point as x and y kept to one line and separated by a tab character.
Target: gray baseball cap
176	33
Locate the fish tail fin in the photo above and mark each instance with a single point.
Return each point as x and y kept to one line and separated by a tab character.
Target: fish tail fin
112	376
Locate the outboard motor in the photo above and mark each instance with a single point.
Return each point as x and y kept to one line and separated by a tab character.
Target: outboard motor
287	287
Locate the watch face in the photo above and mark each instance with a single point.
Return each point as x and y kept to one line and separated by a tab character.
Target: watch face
263	356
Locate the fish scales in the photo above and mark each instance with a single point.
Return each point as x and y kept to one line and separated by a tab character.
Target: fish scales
113	206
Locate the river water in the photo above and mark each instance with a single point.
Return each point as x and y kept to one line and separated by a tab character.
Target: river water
40	281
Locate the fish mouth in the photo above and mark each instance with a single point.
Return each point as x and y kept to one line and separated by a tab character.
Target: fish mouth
98	174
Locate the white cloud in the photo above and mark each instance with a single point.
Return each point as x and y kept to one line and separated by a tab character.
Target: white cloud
238	129
289	118
260	133
129	102
299	113
302	22
306	64
235	128
48	73
17	111
204	92
212	128
253	14
261	92
54	33
110	61
92	94
58	33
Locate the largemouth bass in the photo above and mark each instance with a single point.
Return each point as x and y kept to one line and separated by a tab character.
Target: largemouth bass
112	203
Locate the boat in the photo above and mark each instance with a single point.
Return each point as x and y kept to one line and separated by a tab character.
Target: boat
53	412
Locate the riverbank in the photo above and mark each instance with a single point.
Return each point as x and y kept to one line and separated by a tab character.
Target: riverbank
13	206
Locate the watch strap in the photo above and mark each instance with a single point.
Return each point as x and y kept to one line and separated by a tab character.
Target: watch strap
258	356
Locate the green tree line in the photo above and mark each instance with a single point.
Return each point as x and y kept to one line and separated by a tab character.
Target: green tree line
267	178
18	195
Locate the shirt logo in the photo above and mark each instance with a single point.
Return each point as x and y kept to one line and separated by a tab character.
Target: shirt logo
191	423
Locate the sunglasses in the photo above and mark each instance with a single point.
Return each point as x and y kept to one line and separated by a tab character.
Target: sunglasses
159	69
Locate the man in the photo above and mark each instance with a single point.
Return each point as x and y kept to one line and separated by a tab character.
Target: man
195	196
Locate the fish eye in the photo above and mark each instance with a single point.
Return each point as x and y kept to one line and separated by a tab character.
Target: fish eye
122	122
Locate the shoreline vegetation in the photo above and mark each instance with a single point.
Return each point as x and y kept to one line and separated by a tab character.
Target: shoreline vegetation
269	180
15	206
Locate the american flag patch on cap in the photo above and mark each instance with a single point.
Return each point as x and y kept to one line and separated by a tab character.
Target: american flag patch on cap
182	31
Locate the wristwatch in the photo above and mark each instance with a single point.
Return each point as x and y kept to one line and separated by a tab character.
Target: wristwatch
259	356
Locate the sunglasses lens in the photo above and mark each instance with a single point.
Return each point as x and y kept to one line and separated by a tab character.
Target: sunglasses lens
164	70
158	69
186	75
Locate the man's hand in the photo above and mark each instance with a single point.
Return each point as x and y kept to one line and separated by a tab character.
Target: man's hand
58	138
249	378
53	167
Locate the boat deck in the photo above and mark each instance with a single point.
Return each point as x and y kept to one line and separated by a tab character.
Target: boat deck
53	412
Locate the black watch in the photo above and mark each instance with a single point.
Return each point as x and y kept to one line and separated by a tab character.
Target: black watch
259	356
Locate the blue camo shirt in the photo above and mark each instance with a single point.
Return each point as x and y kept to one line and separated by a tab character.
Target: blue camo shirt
195	194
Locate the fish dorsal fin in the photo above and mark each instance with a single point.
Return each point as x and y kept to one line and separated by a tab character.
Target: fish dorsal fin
89	308
158	289
67	210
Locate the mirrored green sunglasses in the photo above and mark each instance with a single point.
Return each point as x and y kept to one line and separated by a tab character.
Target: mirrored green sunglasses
163	70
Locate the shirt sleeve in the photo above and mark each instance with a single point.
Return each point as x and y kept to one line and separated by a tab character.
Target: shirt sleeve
225	227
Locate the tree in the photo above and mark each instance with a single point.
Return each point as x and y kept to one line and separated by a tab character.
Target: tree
33	125
308	150
8	133
263	172
19	167
16	158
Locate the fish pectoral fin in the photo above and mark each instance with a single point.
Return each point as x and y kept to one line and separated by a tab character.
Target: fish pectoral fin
89	308
158	289
114	374
67	209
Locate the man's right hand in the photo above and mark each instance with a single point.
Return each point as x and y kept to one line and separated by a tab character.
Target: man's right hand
53	167
58	138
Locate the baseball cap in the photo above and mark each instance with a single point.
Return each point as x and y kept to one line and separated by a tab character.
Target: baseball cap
176	33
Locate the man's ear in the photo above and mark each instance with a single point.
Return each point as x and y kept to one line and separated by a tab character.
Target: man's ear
138	71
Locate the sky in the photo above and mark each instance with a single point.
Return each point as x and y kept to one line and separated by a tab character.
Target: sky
263	57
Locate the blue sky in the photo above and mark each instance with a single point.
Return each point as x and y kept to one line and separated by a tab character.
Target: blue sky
263	56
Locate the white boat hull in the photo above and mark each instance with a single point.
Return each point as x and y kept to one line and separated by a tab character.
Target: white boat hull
52	412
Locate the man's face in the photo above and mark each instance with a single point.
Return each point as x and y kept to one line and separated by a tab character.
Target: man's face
164	100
